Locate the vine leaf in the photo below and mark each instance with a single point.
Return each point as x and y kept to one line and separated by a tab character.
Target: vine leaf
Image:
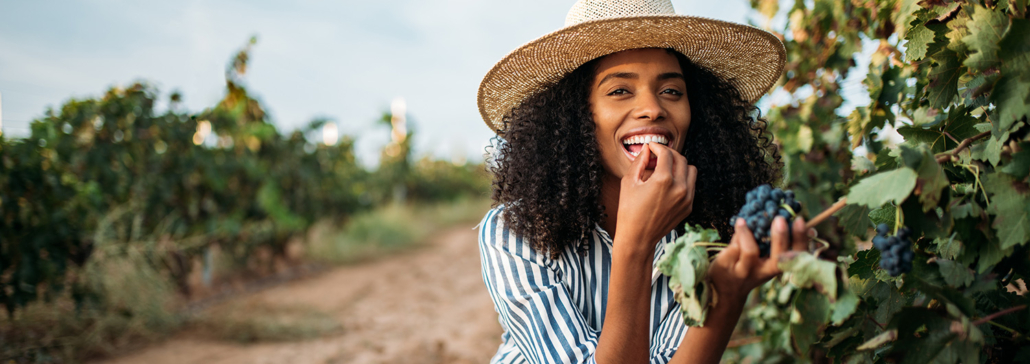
883	215
922	334
847	303
943	86
986	29
1019	167
955	274
919	38
1008	204
878	189
948	248
815	313
805	270
1012	92
931	181
854	219
866	264
686	264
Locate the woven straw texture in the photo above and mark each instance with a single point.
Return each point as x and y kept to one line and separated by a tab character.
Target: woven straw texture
749	58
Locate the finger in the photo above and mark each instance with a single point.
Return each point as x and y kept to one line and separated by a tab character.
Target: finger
748	248
664	163
679	166
727	258
799	241
780	241
639	164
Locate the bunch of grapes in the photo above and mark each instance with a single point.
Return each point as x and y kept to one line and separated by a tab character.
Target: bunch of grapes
895	251
763	204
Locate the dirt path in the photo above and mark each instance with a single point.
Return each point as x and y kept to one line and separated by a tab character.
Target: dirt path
429	306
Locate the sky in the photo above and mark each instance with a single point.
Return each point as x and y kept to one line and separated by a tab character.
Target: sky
342	60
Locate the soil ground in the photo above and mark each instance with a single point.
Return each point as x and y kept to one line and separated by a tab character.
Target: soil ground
425	306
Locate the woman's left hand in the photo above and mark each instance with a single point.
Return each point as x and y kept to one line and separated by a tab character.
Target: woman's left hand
738	269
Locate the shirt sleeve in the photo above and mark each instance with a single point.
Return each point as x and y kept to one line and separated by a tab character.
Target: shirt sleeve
669	335
534	306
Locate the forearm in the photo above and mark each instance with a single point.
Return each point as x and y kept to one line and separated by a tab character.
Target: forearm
707	344
626	334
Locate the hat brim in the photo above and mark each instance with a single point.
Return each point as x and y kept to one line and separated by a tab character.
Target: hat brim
748	58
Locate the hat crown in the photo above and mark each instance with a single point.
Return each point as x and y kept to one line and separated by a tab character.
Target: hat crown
587	10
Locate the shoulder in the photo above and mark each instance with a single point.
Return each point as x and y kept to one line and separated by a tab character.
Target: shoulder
495	238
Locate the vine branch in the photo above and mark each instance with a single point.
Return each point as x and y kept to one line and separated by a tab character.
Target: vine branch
992	316
944	157
826	213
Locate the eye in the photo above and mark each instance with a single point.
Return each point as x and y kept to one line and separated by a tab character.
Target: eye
620	91
672	91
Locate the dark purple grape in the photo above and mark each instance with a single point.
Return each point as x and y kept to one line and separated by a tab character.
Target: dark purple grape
895	250
762	204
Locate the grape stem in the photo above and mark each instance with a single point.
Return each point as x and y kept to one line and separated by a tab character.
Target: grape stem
946	156
712	244
826	213
992	316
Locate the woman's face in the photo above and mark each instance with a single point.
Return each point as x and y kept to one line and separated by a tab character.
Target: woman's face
638	96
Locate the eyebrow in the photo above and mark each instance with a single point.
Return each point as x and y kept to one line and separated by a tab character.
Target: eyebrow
633	76
627	75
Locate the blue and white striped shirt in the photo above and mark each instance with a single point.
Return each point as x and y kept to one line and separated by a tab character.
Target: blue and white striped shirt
552	310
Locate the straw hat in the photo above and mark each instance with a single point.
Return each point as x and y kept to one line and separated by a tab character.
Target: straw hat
749	58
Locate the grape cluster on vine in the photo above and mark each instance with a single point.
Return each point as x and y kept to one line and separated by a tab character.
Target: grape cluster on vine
895	251
762	205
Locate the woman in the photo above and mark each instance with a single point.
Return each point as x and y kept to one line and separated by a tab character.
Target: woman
615	131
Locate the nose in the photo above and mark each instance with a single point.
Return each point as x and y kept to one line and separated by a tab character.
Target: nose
648	107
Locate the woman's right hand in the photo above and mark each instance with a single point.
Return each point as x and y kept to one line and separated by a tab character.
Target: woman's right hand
653	203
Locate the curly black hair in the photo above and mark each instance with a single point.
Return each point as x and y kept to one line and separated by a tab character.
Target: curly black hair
547	170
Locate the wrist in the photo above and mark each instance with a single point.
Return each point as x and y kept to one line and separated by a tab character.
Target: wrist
632	246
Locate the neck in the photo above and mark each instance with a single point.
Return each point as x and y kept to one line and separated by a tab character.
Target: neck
610	187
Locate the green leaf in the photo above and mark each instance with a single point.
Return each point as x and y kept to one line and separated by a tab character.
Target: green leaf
969	209
948	248
1008	204
922	334
847	303
944	75
1012	92
986	29
885	160
990	255
859	124
919	38
884	215
815	313
878	189
1019	167
854	219
888	301
955	274
686	264
927	116
867	262
931	181
992	149
807	271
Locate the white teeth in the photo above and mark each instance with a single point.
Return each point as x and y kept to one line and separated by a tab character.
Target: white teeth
648	138
634	153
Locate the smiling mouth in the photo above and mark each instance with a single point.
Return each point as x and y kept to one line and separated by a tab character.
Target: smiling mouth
634	144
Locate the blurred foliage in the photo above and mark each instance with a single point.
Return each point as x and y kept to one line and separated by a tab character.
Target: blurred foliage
111	177
952	78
